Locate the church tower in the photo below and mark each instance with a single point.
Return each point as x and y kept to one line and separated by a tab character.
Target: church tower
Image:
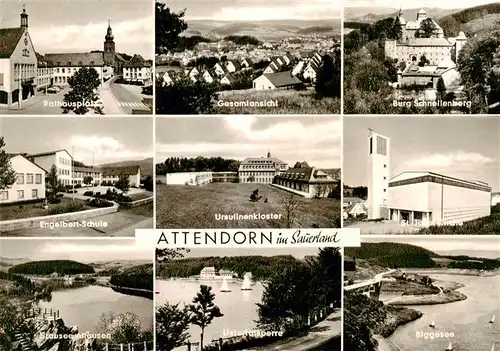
24	19
378	174
269	154
109	47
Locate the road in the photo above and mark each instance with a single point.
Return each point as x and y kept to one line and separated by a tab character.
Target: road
38	105
128	97
318	335
119	224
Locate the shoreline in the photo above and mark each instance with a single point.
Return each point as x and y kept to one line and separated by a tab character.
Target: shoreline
452	271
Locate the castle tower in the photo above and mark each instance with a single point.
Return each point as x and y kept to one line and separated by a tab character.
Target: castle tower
460	42
421	15
24	18
109	47
378	173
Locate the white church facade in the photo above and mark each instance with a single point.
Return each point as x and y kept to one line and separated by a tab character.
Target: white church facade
420	198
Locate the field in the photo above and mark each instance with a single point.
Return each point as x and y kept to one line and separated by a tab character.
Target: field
185	206
289	102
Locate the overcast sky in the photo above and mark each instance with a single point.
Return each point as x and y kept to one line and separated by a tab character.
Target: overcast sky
109	139
296	252
462	147
396	4
256	10
313	139
82	250
485	246
80	26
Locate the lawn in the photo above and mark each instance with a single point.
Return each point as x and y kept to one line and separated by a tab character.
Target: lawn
36	209
143	210
186	206
140	196
289	102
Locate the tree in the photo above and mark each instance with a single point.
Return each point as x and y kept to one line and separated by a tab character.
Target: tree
88	180
185	97
169	26
148	183
7	174
123	183
423	61
13	322
124	327
203	310
328	79
427	29
82	95
291	206
53	185
286	301
476	65
397	31
172	324
441	89
327	275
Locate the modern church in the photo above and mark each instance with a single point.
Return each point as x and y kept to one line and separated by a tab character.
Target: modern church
420	198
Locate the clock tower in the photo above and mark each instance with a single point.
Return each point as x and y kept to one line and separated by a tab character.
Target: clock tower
109	47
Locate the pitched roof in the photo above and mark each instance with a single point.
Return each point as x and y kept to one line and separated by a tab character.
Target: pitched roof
85	59
119	57
282	79
235	63
27	159
116	171
428	42
9	38
48	153
261	160
310	174
137	61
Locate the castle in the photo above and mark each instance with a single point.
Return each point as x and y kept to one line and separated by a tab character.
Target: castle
410	48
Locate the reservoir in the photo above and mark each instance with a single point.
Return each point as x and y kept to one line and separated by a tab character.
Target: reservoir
84	306
467	320
238	307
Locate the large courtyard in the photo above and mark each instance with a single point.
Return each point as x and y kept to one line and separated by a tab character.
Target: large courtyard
186	206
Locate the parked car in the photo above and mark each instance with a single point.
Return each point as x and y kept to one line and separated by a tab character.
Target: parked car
53	90
148	90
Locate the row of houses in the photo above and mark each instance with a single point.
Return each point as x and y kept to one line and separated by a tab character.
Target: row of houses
31	171
304	180
281	72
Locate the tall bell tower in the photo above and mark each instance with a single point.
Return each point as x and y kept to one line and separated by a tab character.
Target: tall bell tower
109	47
378	173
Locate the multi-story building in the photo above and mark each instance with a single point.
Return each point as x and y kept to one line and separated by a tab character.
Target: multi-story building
30	182
436	49
80	173
18	64
307	181
208	273
260	170
138	70
112	174
61	159
189	178
66	64
225	177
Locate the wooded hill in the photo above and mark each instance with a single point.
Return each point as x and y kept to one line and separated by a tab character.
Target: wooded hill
397	255
61	267
456	22
262	267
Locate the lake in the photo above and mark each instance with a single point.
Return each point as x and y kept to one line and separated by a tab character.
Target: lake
467	320
238	307
83	307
